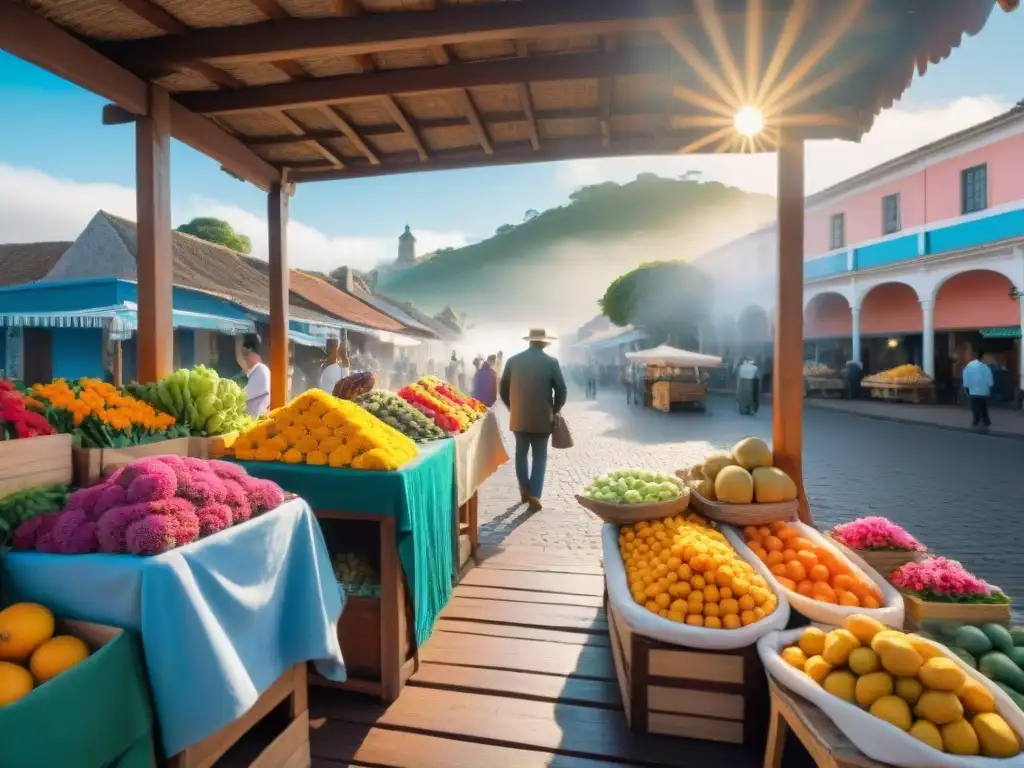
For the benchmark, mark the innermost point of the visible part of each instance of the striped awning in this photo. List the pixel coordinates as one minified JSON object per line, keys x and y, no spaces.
{"x":307,"y":339}
{"x":1001,"y":332}
{"x":122,"y":320}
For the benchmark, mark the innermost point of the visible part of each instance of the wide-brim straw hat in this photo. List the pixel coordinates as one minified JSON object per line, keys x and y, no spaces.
{"x":539,"y":334}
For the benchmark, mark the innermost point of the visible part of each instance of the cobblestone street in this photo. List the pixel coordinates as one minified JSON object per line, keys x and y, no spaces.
{"x":960,"y":493}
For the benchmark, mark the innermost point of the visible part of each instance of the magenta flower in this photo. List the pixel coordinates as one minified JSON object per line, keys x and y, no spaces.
{"x":237,"y":500}
{"x":937,"y":579}
{"x":74,"y":533}
{"x":152,"y":535}
{"x":152,"y":486}
{"x":875,"y":533}
{"x":172,"y":461}
{"x":184,"y":513}
{"x":111,"y":527}
{"x":27,"y":534}
{"x":214,"y":518}
{"x":196,"y":465}
{"x":84,"y":498}
{"x":203,"y":488}
{"x":111,"y":496}
{"x":226,"y":470}
{"x":263,"y":494}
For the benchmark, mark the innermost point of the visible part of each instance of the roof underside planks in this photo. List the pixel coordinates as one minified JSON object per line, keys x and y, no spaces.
{"x":309,"y":90}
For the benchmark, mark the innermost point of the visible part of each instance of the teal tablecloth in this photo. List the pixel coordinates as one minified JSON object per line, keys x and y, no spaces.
{"x":420,"y":497}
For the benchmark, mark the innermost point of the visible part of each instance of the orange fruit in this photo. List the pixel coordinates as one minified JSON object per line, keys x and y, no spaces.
{"x":695,"y":620}
{"x":764,"y":532}
{"x":788,"y":554}
{"x":729,"y":606}
{"x":818,"y":573}
{"x":711,"y":609}
{"x":759,"y":614}
{"x":784,"y":582}
{"x":869,"y":602}
{"x":847,"y":598}
{"x":747,"y":617}
{"x":843,"y":581}
{"x":799,"y":543}
{"x":775,"y":558}
{"x":750,"y":533}
{"x":731,"y":621}
{"x":785,"y":532}
{"x":779,"y":569}
{"x":823,"y":592}
{"x":749,"y":602}
{"x":795,"y":570}
{"x":778,"y":525}
{"x":805,"y":588}
{"x":773,"y":544}
{"x":724,"y":592}
{"x":740,"y":587}
{"x":808,"y":558}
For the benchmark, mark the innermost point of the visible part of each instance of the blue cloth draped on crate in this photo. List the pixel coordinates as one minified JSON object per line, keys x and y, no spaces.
{"x":420,"y":496}
{"x":221,"y":619}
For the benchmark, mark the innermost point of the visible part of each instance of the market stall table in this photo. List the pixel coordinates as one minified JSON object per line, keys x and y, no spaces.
{"x":414,"y":509}
{"x":674,"y":376}
{"x":224,"y":621}
{"x":479,"y":453}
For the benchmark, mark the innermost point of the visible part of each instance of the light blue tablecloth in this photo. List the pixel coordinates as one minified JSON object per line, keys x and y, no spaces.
{"x":220,"y":619}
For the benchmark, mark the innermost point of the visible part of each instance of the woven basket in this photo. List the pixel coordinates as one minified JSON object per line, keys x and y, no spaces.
{"x":742,"y":515}
{"x":627,"y":514}
{"x":883,"y":561}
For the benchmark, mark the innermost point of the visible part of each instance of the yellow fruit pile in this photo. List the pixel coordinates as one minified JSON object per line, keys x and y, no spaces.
{"x":29,"y":653}
{"x":907,"y":682}
{"x":684,"y":570}
{"x":316,"y":428}
{"x":901,"y":374}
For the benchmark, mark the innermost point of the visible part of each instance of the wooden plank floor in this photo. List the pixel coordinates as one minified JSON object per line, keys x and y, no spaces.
{"x":517,"y":674}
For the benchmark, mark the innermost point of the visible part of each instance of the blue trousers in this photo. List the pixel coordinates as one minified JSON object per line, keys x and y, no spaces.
{"x":527,"y":442}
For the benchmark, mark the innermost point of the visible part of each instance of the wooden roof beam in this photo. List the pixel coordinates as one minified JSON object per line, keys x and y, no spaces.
{"x":328,"y":90}
{"x":294,"y":37}
{"x":334,"y":158}
{"x":41,"y":42}
{"x":606,"y":92}
{"x":349,"y":132}
{"x":402,"y":121}
{"x":526,"y":98}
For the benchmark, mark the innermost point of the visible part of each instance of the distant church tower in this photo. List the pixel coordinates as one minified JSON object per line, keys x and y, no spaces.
{"x":406,"y":249}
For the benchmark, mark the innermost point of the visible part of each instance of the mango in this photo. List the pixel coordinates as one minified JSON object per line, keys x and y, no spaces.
{"x":939,"y":707}
{"x":925,"y":649}
{"x":812,"y":641}
{"x":942,"y":674}
{"x":995,"y":736}
{"x":871,"y":687}
{"x":899,"y":658}
{"x":863,"y":661}
{"x":839,"y":644}
{"x":794,"y":657}
{"x":864,"y":628}
{"x":772,"y":485}
{"x":976,"y":697}
{"x":909,"y":689}
{"x":817,"y":669}
{"x":893,"y":710}
{"x":928,"y":733}
{"x":734,"y":485}
{"x":715,"y":463}
{"x":752,"y":452}
{"x":959,"y":738}
{"x":885,"y":638}
{"x":842,"y":684}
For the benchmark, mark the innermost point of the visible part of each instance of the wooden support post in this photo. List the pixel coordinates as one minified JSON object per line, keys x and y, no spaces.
{"x":787,"y":371}
{"x":277,"y":226}
{"x":118,"y":365}
{"x":153,"y":254}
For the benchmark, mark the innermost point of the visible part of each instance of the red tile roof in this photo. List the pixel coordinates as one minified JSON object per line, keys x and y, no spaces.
{"x":27,"y":262}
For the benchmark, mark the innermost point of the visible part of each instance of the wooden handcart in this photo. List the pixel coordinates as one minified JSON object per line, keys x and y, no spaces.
{"x":665,"y":394}
{"x":902,"y":393}
{"x":823,"y":386}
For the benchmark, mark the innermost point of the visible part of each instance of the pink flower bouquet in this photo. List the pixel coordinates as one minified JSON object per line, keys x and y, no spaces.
{"x":938,"y":580}
{"x":875,"y":534}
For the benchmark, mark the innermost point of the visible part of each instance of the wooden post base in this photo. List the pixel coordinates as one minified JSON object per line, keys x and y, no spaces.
{"x":289,"y":749}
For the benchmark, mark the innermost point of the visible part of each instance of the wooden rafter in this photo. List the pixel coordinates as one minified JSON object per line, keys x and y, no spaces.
{"x":300,"y":132}
{"x":402,"y":121}
{"x":271,"y":9}
{"x":424,"y":79}
{"x":367,"y":33}
{"x":349,"y":132}
{"x":526,"y":98}
{"x":606,"y":93}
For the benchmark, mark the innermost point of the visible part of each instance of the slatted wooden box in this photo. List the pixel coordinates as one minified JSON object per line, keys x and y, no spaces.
{"x":93,"y":464}
{"x":695,"y":694}
{"x":34,"y":461}
{"x":216,"y":447}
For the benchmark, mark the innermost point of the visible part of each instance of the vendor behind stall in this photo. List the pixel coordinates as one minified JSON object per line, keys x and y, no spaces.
{"x":853,"y":374}
{"x":257,"y":388}
{"x":747,"y":387}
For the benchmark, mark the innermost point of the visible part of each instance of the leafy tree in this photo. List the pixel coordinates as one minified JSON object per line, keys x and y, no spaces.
{"x":666,"y":299}
{"x":504,"y":229}
{"x":217,"y":231}
{"x":530,"y":214}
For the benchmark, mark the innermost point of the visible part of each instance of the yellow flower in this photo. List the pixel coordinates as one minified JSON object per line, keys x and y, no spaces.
{"x":293,"y":434}
{"x":307,"y":443}
{"x":329,"y":444}
{"x":316,"y":458}
{"x":244,"y":454}
{"x":278,"y":443}
{"x":377,"y":459}
{"x":292,"y":457}
{"x":265,"y":453}
{"x":332,"y":420}
{"x":321,"y":433}
{"x":340,"y":457}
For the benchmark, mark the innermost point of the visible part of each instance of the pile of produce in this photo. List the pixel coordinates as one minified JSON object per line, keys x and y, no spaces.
{"x":901,"y":374}
{"x":199,"y":399}
{"x":100,"y":416}
{"x":356,"y":574}
{"x":907,"y":682}
{"x":449,"y":392}
{"x":444,"y":414}
{"x":397,"y":413}
{"x":938,"y":580}
{"x":16,"y":421}
{"x":21,"y":506}
{"x":684,"y":570}
{"x":742,"y":476}
{"x":634,"y":486}
{"x":992,"y":649}
{"x":354,"y":386}
{"x":316,"y":428}
{"x":150,"y":506}
{"x":30,"y":654}
{"x":809,"y":569}
{"x":819,"y":371}
{"x":875,"y":534}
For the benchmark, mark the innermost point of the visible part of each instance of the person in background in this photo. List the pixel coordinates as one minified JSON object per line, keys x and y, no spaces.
{"x":462,"y":375}
{"x":978,"y":382}
{"x":533,"y":389}
{"x":592,"y":373}
{"x":500,"y":366}
{"x":451,"y":371}
{"x":746,"y":386}
{"x":336,"y":367}
{"x":485,"y":382}
{"x":627,"y":381}
{"x":248,"y":350}
{"x":853,"y":374}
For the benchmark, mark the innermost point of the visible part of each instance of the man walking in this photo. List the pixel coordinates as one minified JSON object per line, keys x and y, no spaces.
{"x":978,"y":382}
{"x":257,"y":388}
{"x":533,"y":389}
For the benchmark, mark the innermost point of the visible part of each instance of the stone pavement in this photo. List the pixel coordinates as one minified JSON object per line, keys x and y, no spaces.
{"x":959,"y":492}
{"x":1005,"y":422}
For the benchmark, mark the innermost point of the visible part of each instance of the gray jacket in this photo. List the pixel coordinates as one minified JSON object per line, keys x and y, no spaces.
{"x":533,"y":389}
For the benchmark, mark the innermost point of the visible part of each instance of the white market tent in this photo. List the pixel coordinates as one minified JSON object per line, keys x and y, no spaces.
{"x":665,"y":355}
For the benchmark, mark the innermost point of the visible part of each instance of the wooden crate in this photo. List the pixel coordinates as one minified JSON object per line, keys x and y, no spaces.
{"x":288,"y":749}
{"x":379,"y":632}
{"x":917,"y":611}
{"x":883,"y":561}
{"x":675,"y":691}
{"x":93,"y":464}
{"x":35,"y":461}
{"x":468,"y":531}
{"x":216,"y":447}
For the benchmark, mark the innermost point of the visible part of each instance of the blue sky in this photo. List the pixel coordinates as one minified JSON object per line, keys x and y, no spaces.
{"x":52,"y":136}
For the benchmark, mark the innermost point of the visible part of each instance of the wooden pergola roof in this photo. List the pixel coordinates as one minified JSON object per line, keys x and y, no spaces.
{"x":308,"y":90}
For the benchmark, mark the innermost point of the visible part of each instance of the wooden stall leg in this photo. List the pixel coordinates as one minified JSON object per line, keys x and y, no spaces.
{"x":277,"y":226}
{"x":778,"y":729}
{"x":392,"y":614}
{"x":474,"y":526}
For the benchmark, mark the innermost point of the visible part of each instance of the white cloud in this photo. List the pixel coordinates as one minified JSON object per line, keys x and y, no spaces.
{"x":896,"y":131}
{"x":36,"y":207}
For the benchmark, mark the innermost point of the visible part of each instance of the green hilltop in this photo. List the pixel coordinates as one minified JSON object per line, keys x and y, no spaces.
{"x":558,"y":262}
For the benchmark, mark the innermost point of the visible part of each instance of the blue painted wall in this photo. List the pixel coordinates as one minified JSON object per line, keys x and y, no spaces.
{"x":186,"y":339}
{"x":886,"y":252}
{"x":77,"y":352}
{"x":825,"y":266}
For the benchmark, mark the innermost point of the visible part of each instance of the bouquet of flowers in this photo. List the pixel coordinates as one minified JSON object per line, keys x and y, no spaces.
{"x":938,"y":580}
{"x":16,"y":421}
{"x":100,"y":416}
{"x":875,"y":534}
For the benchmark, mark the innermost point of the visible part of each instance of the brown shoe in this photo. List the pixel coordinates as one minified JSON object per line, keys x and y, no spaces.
{"x":534,"y":504}
{"x":524,"y":494}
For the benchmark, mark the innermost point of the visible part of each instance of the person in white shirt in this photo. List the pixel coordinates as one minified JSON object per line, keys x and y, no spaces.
{"x":746,"y":387}
{"x":257,"y":389}
{"x":336,"y":368}
{"x":978,"y":381}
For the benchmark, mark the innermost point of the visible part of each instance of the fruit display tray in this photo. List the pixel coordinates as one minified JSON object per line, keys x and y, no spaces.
{"x":883,"y":561}
{"x":917,"y":611}
{"x":697,"y":694}
{"x":627,"y":514}
{"x":742,"y":515}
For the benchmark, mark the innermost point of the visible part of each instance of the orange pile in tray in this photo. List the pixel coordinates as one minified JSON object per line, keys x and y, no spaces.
{"x":809,"y":569}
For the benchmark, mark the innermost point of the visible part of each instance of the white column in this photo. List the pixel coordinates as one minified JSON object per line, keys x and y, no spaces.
{"x":928,"y":337}
{"x":1020,"y":346}
{"x":855,"y":340}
